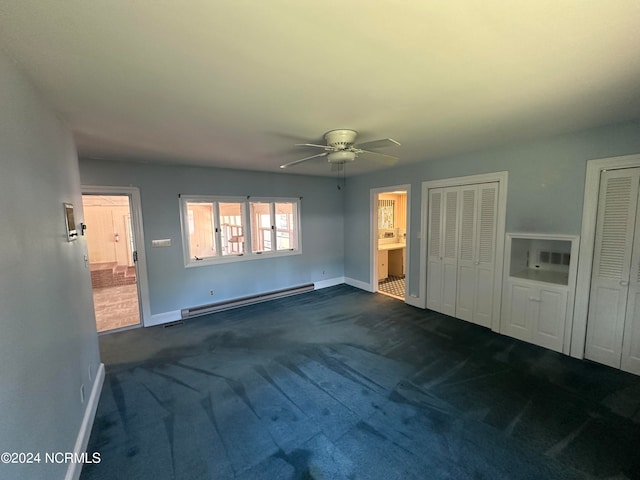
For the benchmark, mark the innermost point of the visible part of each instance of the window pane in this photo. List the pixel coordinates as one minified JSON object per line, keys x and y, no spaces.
{"x":286,"y":228}
{"x":231,"y":228}
{"x":202,"y":241}
{"x":260,"y":227}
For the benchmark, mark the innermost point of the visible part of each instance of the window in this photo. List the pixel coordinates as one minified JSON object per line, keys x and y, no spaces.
{"x":222,"y":229}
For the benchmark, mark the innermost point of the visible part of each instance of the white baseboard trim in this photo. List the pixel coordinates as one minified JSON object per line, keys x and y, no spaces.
{"x":358,"y":284}
{"x":165,"y":317}
{"x":331,"y":282}
{"x":74,"y":469}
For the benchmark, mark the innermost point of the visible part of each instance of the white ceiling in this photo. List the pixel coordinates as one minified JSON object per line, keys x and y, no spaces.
{"x":237,"y":83}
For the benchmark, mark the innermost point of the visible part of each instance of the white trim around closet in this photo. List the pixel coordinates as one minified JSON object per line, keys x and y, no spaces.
{"x":502,"y":179}
{"x":587,"y":243}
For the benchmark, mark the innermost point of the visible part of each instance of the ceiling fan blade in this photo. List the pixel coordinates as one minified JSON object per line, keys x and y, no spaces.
{"x":379,"y":157}
{"x":311,"y":145}
{"x":295,"y":162}
{"x":382,"y":143}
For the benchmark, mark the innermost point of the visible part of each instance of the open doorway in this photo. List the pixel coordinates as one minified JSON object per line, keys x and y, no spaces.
{"x":390,"y":233}
{"x":113,"y":259}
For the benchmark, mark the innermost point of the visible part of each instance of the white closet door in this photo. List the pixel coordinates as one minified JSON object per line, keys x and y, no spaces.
{"x":476,"y":259}
{"x":631,"y":338}
{"x":450,"y":251}
{"x":435,"y":249}
{"x":485,"y":254}
{"x":615,"y":227}
{"x":467,"y":253}
{"x":443,"y":245}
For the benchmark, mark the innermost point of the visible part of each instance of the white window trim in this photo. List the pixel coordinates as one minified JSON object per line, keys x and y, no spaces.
{"x":248,"y":253}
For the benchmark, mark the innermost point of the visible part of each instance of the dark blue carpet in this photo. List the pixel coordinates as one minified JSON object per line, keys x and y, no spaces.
{"x":344,"y":384}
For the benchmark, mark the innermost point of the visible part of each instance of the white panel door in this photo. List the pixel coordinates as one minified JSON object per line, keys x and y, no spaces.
{"x":615,"y":227}
{"x":435,"y":251}
{"x":465,"y":301}
{"x":517,"y":316}
{"x":548,"y":323}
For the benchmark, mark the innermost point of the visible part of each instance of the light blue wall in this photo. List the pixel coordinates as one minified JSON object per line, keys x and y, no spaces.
{"x":546,"y":187}
{"x":48,"y":336}
{"x":171,"y":285}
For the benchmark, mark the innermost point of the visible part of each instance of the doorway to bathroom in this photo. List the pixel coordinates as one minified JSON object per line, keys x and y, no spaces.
{"x":389,"y":259}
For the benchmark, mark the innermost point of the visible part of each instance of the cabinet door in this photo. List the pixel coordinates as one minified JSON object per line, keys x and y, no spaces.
{"x":383,"y":264}
{"x":517,"y":315}
{"x":615,"y":227}
{"x":549,"y":318}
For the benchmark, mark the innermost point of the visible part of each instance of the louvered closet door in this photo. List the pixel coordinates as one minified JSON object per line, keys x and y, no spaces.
{"x":615,"y":228}
{"x":485,"y":254}
{"x":450,"y":251}
{"x":467,"y":254}
{"x":476,"y":259}
{"x":435,"y":251}
{"x":443,"y":245}
{"x":630,"y":361}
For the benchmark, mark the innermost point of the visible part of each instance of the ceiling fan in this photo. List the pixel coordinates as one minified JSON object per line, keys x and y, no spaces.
{"x":341,"y":149}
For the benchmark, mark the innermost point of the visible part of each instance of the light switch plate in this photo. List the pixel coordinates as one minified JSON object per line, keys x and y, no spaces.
{"x":165,"y":242}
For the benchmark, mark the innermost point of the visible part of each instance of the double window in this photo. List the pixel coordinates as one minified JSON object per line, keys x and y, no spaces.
{"x":222,"y":229}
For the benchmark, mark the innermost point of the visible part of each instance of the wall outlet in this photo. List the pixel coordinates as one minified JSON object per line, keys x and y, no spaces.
{"x":82,"y":393}
{"x":211,"y":292}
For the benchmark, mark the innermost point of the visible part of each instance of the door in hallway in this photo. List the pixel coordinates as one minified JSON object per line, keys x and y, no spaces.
{"x":113,"y":261}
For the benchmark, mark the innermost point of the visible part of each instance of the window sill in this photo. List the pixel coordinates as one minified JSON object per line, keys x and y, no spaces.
{"x":240,"y":258}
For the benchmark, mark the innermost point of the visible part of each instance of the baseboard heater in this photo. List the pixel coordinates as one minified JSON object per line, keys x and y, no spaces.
{"x":244,"y":301}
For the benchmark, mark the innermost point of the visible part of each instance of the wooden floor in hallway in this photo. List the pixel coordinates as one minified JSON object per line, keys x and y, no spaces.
{"x":116,"y":307}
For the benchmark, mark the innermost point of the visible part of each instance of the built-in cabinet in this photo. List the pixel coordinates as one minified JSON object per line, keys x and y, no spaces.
{"x":383,"y":264}
{"x":539,"y":288}
{"x":397,"y":262}
{"x":391,"y":260}
{"x":613,"y":322}
{"x":462,"y":251}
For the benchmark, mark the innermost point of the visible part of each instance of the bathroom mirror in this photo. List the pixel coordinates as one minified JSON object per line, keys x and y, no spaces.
{"x":385,"y":213}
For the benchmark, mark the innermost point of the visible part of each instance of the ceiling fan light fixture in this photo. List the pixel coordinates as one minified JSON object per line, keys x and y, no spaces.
{"x":340,"y":138}
{"x":341,"y":156}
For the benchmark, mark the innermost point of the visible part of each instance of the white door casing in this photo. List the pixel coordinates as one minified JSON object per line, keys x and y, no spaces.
{"x":464,"y":219}
{"x":138,"y":233}
{"x":578,"y":327}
